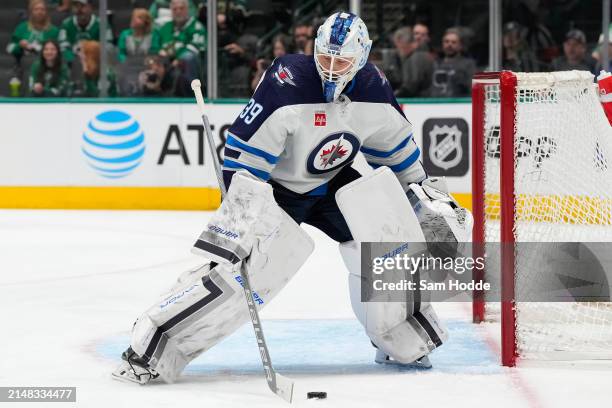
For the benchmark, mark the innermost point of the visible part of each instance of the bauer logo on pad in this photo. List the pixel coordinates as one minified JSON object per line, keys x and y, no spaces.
{"x":320,"y":119}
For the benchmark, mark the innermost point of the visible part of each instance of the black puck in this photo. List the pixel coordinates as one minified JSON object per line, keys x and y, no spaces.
{"x":316,"y":394}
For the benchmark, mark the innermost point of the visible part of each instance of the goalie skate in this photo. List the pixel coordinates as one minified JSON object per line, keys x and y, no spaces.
{"x":134,"y":369}
{"x":383,"y":358}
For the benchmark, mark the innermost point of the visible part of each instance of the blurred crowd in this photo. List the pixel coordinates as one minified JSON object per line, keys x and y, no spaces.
{"x":416,"y":69}
{"x":158,"y":54}
{"x":163,"y":48}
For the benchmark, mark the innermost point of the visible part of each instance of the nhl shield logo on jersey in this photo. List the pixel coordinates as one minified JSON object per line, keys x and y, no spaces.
{"x":333,"y":152}
{"x":284,"y":76}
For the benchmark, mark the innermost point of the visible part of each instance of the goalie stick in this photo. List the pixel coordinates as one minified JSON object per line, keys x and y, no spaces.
{"x":280,"y":385}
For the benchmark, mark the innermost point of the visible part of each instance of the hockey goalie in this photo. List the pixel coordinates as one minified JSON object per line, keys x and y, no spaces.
{"x":289,"y":160}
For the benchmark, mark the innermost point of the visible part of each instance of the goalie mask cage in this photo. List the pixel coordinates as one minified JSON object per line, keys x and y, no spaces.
{"x":542,"y":152}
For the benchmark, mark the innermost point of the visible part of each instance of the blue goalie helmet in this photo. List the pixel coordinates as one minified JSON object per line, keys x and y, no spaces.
{"x":341,"y":49}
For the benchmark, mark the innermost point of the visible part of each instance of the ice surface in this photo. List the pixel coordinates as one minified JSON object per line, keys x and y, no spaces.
{"x":72,"y":283}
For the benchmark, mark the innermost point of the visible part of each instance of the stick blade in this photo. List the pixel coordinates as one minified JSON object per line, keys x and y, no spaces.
{"x":284,"y":387}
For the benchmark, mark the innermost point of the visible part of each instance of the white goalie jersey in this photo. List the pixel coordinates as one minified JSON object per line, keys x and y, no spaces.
{"x":288,"y":133}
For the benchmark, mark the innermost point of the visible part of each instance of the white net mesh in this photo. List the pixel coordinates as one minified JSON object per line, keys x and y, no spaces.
{"x":563,"y":187}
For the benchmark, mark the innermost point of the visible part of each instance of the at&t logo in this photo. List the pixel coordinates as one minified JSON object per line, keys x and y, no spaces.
{"x":113,"y":144}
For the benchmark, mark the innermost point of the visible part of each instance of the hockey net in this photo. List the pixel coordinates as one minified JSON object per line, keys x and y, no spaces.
{"x":542,"y":158}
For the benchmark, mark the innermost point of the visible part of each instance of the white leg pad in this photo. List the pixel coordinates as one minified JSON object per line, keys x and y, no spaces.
{"x":376,"y":209}
{"x":206,"y":306}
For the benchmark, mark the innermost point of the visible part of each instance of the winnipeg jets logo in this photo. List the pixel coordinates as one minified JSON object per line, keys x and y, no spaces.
{"x":333,"y":152}
{"x":337,"y":151}
{"x":284,"y":76}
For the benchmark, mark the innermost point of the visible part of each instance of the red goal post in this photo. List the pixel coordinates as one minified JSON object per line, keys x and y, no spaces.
{"x":507,"y":88}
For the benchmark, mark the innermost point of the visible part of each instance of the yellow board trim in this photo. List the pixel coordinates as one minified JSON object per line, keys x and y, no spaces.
{"x":126,"y":198}
{"x":464,"y":199}
{"x":111,"y":198}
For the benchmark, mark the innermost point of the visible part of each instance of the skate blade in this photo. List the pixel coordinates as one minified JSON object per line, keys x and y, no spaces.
{"x":123,"y":373}
{"x":422,"y":364}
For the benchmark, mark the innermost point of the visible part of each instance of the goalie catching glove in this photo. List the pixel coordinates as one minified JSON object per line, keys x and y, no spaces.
{"x":443,"y":221}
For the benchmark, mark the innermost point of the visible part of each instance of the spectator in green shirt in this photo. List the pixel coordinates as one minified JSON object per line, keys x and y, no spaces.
{"x":89,"y":54}
{"x":183,"y":40}
{"x":30,"y":35}
{"x":49,"y":75}
{"x":160,"y":11}
{"x":140,"y":39}
{"x":82,"y":25}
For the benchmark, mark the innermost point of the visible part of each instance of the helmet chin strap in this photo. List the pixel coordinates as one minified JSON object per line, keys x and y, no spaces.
{"x":329,"y":89}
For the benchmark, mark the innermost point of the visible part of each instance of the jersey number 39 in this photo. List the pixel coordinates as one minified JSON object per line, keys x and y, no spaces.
{"x":250,"y":112}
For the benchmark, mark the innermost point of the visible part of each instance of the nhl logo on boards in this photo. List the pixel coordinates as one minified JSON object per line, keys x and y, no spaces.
{"x":445,"y":147}
{"x":284,"y":76}
{"x":333,"y":152}
{"x":320,"y":118}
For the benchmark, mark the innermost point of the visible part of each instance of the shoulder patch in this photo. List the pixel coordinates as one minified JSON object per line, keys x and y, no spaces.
{"x":283,"y":75}
{"x":381,"y":75}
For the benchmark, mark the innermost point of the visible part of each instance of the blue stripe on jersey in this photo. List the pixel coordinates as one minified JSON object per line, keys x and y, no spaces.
{"x":230,"y":164}
{"x":409,"y":161}
{"x":382,"y":153}
{"x":234,"y":142}
{"x":340,"y":28}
